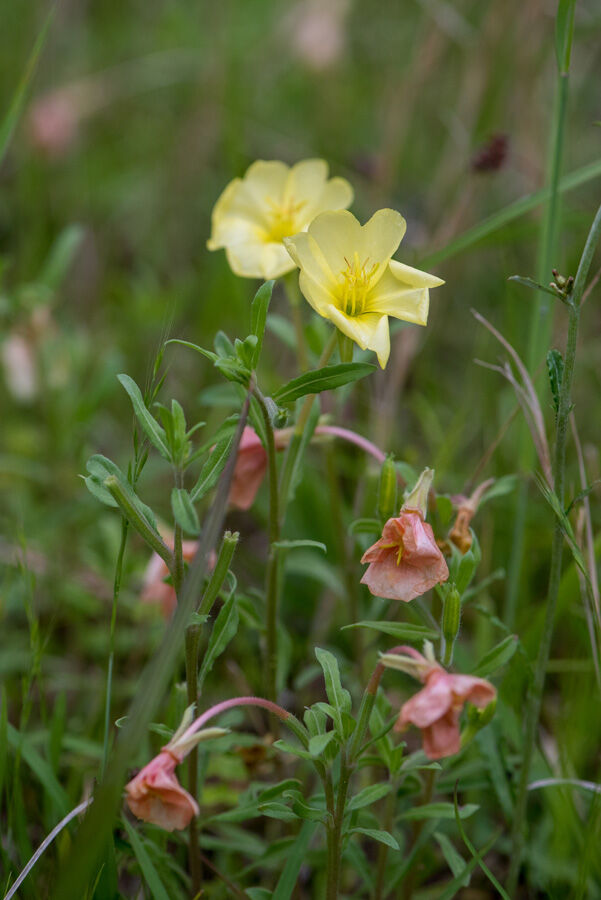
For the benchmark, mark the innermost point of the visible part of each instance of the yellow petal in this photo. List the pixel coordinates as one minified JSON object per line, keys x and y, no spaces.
{"x":369,"y":331}
{"x":306,"y":181}
{"x":338,"y":235}
{"x":403,"y":292}
{"x":275,"y":261}
{"x":317,"y":293}
{"x":266,"y":181}
{"x":380,"y":238}
{"x":337,"y":194}
{"x":234,"y":214}
{"x":308,"y":256}
{"x":414,"y":277}
{"x":256,"y":259}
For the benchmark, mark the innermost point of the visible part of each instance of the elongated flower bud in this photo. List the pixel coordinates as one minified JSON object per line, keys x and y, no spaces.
{"x":451,"y":619}
{"x":387,"y":491}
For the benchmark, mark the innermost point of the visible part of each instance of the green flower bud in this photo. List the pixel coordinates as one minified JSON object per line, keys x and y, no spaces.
{"x":418,"y":497}
{"x":451,"y":619}
{"x":478,"y":718}
{"x":387,"y":491}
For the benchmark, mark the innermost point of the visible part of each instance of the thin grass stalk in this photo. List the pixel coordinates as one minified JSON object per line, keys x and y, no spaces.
{"x":541,"y":322}
{"x":563,"y":415}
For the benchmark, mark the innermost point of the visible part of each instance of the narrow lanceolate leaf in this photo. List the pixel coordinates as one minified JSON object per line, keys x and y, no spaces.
{"x":296,"y":856}
{"x":368,"y":795}
{"x":301,"y":543}
{"x":224,"y":629}
{"x":534,"y":285}
{"x":319,"y":380}
{"x":555,"y":370}
{"x":564,"y":30}
{"x":39,"y":766}
{"x":212,"y":469}
{"x":376,"y":834}
{"x":440,"y":810}
{"x":339,"y":698}
{"x":497,"y":657}
{"x":184,"y":512}
{"x":319,"y":743}
{"x":151,"y":428}
{"x":151,"y":876}
{"x":398,"y":630}
{"x":258,"y":316}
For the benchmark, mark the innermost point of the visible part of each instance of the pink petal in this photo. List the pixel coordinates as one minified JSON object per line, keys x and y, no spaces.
{"x":429,"y":704}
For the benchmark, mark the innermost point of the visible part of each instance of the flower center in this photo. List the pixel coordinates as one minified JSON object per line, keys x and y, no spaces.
{"x":394,"y":546}
{"x":283,"y":220}
{"x":355,"y":285}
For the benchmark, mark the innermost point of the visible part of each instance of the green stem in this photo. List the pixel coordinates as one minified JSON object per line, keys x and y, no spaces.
{"x":272,"y":574}
{"x":294,"y":298}
{"x":343,"y":785}
{"x":541,"y":322}
{"x":536,"y":694}
{"x":297,"y":437}
{"x":109,"y":674}
{"x":178,"y":555}
{"x":194,"y":860}
{"x":226,"y":553}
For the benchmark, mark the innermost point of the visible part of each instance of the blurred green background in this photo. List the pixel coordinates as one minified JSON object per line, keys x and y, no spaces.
{"x":137,"y":117}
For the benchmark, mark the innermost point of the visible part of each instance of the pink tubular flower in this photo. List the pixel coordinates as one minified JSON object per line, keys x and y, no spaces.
{"x":155,"y":795}
{"x":406,"y":561}
{"x":435,"y":710}
{"x":251,"y":466}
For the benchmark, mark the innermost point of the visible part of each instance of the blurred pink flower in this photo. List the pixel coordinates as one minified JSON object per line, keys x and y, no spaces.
{"x":155,"y":795}
{"x":406,"y":561}
{"x":54,"y":123}
{"x":251,"y":466}
{"x":155,"y":589}
{"x":435,"y":710}
{"x":317,"y":32}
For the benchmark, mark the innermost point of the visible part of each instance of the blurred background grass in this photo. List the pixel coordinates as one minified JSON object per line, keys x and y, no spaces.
{"x":138,"y":116}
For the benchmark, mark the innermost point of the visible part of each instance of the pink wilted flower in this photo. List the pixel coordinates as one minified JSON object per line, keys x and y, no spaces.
{"x":406,"y":561}
{"x":155,"y":795}
{"x":251,"y":466}
{"x":155,"y":589}
{"x":435,"y":710}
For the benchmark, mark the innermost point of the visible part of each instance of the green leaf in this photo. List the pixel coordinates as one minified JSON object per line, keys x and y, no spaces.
{"x":212,"y":469}
{"x":184,"y":512}
{"x":8,"y":124}
{"x":497,"y":657}
{"x":293,"y":545}
{"x":466,"y":841}
{"x":151,"y":428}
{"x":286,"y":747}
{"x":224,"y":629}
{"x":319,"y":743}
{"x":439,"y":810}
{"x":319,"y":380}
{"x":365,"y":526}
{"x":455,"y":861}
{"x":555,"y":370}
{"x":151,"y":876}
{"x":376,"y":834}
{"x":368,"y":795}
{"x":304,"y":811}
{"x":258,"y":316}
{"x":39,"y":766}
{"x":398,"y":630}
{"x":296,"y":857}
{"x":458,"y":882}
{"x":100,"y":468}
{"x":61,"y":256}
{"x":564,"y":31}
{"x":339,"y":698}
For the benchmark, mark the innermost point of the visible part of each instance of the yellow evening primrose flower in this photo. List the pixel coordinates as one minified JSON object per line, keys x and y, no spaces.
{"x":273,"y":201}
{"x":348,"y":276}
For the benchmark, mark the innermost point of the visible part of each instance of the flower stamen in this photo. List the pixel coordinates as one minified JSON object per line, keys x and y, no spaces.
{"x":355,"y":285}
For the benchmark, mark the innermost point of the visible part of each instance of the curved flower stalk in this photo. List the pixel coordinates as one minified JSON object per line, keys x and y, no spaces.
{"x":348,"y":276}
{"x":406,"y":561}
{"x":273,"y":201}
{"x":435,"y":710}
{"x":156,"y":796}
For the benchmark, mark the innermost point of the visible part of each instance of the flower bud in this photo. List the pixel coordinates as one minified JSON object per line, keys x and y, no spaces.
{"x":451,"y":616}
{"x":387,"y":490}
{"x":478,"y":718}
{"x":418,"y":497}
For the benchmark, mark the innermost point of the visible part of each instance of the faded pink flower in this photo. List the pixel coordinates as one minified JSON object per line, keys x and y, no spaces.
{"x":251,"y":466}
{"x":435,"y":710}
{"x":155,"y":795}
{"x":54,"y":122}
{"x":155,"y":589}
{"x":406,"y":561}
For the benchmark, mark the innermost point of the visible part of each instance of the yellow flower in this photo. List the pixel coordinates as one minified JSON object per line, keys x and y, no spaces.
{"x":255,"y":213}
{"x":348,"y":276}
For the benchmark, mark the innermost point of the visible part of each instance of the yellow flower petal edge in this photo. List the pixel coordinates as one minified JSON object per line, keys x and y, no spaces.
{"x":254,"y":214}
{"x":348,"y":275}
